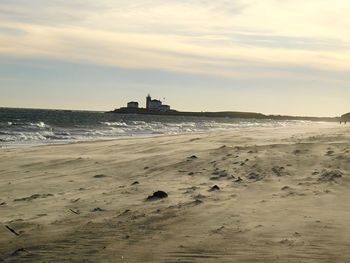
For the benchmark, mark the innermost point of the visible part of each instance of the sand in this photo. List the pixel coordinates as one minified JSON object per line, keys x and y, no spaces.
{"x":282,"y":195}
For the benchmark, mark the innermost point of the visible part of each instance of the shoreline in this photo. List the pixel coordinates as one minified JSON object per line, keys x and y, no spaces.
{"x":137,"y":136}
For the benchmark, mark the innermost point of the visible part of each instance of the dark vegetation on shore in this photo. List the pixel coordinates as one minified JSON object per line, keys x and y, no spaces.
{"x":227,"y":114}
{"x":345,"y":117}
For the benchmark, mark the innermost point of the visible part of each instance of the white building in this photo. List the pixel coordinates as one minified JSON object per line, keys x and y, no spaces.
{"x":156,"y":105}
{"x":133,"y":105}
{"x":164,"y":108}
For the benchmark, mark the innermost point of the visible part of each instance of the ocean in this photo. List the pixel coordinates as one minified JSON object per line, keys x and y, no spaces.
{"x":27,"y":127}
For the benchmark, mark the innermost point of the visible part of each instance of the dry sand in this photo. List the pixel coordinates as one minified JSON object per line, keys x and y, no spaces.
{"x":284,"y":197}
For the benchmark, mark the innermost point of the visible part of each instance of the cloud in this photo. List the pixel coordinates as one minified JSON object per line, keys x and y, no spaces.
{"x":238,"y":39}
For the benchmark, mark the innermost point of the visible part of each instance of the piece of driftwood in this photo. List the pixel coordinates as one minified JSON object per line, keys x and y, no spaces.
{"x":12,"y":230}
{"x":75,"y":212}
{"x":75,"y":200}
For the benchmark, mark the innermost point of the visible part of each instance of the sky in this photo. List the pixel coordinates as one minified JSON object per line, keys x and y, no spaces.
{"x":270,"y":56}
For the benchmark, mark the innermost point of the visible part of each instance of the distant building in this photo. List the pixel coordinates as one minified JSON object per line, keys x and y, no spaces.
{"x":151,"y":105}
{"x":133,"y":105}
{"x":164,"y":108}
{"x":156,"y":105}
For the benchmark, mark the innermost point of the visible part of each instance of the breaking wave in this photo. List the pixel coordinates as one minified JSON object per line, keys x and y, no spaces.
{"x":30,"y":127}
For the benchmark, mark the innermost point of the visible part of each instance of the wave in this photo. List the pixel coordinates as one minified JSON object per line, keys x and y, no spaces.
{"x":40,"y":124}
{"x":119,"y":124}
{"x":61,"y":127}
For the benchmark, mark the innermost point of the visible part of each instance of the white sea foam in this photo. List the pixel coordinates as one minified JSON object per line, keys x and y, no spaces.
{"x":121,"y":124}
{"x":40,"y":124}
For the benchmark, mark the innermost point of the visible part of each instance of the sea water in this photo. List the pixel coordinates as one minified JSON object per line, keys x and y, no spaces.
{"x":19,"y":127}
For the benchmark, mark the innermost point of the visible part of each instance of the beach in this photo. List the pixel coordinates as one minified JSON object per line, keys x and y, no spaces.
{"x":261,"y":194}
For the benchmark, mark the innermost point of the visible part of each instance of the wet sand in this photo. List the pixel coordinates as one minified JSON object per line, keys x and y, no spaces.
{"x":282,"y":195}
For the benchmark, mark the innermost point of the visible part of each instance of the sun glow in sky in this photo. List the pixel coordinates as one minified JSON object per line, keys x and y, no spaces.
{"x":269,"y":56}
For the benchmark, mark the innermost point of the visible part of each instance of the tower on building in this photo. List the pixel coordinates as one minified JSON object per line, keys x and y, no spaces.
{"x":148,"y":101}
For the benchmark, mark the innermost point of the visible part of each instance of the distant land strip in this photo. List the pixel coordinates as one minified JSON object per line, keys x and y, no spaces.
{"x":226,"y":114}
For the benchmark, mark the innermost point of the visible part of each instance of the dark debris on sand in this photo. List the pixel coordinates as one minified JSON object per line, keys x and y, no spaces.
{"x":126,"y":211}
{"x":330,"y":176}
{"x":279,"y":171}
{"x":192,"y":157}
{"x":20,"y":252}
{"x":238,"y":180}
{"x":100,"y":176}
{"x":200,"y":196}
{"x":329,"y":153}
{"x":220,"y":173}
{"x":32,"y":197}
{"x":157,"y":196}
{"x":97,"y":209}
{"x":12,"y":230}
{"x":254,"y":177}
{"x":285,"y":188}
{"x":197,"y":202}
{"x":214,"y":188}
{"x":297,"y":152}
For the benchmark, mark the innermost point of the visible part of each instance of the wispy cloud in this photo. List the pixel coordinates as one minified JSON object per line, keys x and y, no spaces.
{"x":226,"y":38}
